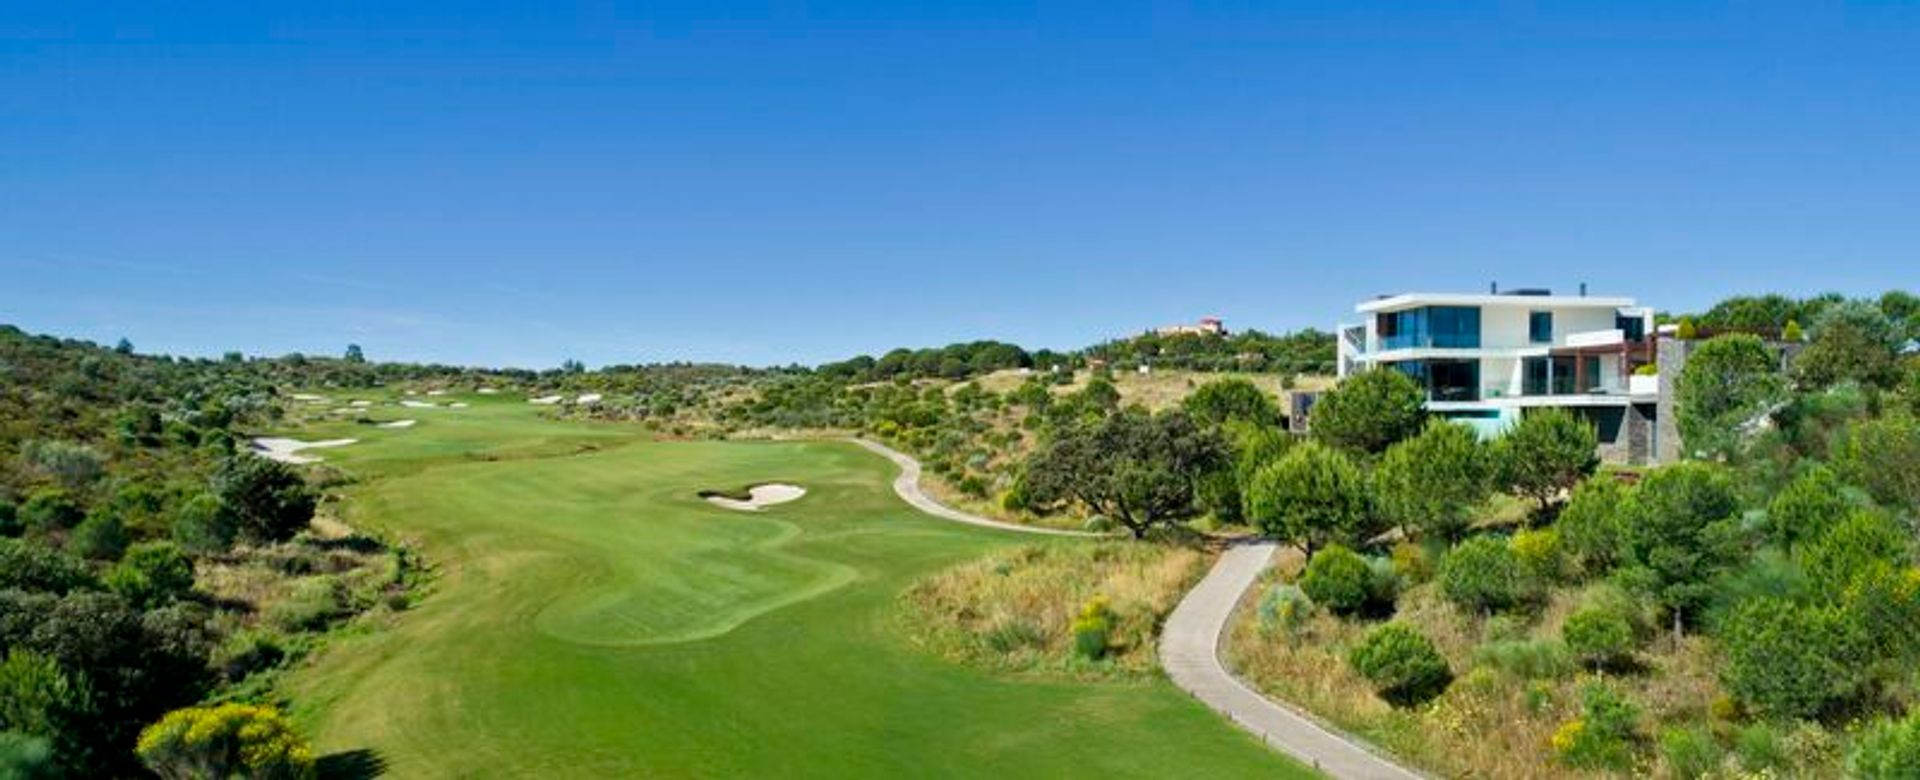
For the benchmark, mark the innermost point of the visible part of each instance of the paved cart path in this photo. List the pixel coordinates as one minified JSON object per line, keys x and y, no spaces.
{"x":1190,"y":652}
{"x":907,"y":485}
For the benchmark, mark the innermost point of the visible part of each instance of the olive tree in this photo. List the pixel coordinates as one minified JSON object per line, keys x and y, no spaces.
{"x":1137,"y":469}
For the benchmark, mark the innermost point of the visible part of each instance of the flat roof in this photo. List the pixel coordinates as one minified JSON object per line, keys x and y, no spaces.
{"x":1406,"y":300}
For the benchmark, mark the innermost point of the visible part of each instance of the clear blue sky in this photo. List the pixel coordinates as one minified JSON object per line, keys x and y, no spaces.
{"x":519,"y":183}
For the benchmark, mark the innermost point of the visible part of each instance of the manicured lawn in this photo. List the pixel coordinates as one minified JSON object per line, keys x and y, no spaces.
{"x":593,"y":617}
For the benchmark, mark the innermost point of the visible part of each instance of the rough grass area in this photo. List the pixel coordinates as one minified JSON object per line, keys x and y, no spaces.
{"x":1014,"y":609}
{"x":1513,"y":686}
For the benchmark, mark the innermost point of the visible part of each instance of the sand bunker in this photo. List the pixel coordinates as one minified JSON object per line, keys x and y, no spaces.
{"x":589,"y":398}
{"x":457,"y":405}
{"x":545,"y":400}
{"x":361,"y":404}
{"x":399,"y":424}
{"x":288,"y":450}
{"x":489,"y":390}
{"x":758,"y":496}
{"x":308,"y":397}
{"x":418,"y":405}
{"x":436,"y":392}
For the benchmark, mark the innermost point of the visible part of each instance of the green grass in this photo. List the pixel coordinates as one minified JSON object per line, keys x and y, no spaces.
{"x":594,"y":617}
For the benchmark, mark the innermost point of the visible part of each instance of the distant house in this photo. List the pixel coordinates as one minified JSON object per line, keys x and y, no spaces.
{"x":1207,"y":326}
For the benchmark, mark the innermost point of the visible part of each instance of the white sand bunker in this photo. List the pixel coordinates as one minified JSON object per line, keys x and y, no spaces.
{"x":457,"y":405}
{"x":589,"y":399}
{"x":418,"y":405}
{"x":758,"y":496}
{"x":308,"y":397}
{"x":489,"y":390}
{"x":361,"y":404}
{"x":545,"y":400}
{"x":399,"y":424}
{"x":288,"y":450}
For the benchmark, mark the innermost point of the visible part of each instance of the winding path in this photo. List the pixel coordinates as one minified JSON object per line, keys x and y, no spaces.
{"x":907,"y":485}
{"x":1190,"y":644}
{"x":1190,"y":652}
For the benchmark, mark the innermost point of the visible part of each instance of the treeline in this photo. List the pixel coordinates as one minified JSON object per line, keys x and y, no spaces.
{"x":1774,"y":315}
{"x":122,"y":478}
{"x":1306,"y":351}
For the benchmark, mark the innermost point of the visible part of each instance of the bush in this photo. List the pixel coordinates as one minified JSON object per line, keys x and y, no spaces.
{"x":51,"y":510}
{"x":1091,"y":629}
{"x":269,"y":499}
{"x":10,"y":519}
{"x":1804,"y":510}
{"x":151,"y":574}
{"x":1590,"y":525}
{"x":30,"y":566}
{"x":37,"y":697}
{"x":249,"y":652}
{"x":100,"y":537}
{"x":1790,"y":660}
{"x":1341,"y":580}
{"x":1411,"y":562}
{"x":26,"y":757}
{"x":1604,"y":735}
{"x":1539,"y":554}
{"x":1690,"y":752}
{"x":1887,"y":750}
{"x":1483,"y":574}
{"x":1285,"y":608}
{"x":205,"y":526}
{"x":73,"y":465}
{"x":1403,"y":665}
{"x":1600,"y":637}
{"x":225,"y":740}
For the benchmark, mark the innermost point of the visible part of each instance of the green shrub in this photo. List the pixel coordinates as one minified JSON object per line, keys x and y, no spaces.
{"x":1590,"y":525}
{"x":51,"y":510}
{"x":1339,"y":579}
{"x":1540,"y":554}
{"x":1605,"y":734}
{"x":100,"y":537}
{"x":10,"y":519}
{"x":205,"y":526}
{"x":1285,"y":608}
{"x":1092,"y":629}
{"x":1484,"y":574}
{"x":26,"y":757}
{"x":269,"y":499}
{"x":1411,"y":562}
{"x":1402,"y":664}
{"x":1760,"y":747}
{"x":1887,"y":750}
{"x":30,"y":566}
{"x":1790,"y":660}
{"x":151,"y":574}
{"x":1599,"y":637}
{"x":1690,"y":752}
{"x":248,"y":652}
{"x":1806,"y":508}
{"x":1525,"y":659}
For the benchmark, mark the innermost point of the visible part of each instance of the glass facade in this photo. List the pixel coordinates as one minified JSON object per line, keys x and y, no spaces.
{"x":1445,"y":380}
{"x":1552,"y":375}
{"x":1445,"y":327}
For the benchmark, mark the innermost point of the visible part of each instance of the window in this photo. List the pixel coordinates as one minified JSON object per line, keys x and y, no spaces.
{"x":1540,"y":327}
{"x":1633,"y":328}
{"x":1445,"y":327}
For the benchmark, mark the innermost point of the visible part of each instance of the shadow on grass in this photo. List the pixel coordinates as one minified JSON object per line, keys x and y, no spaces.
{"x":361,"y":764}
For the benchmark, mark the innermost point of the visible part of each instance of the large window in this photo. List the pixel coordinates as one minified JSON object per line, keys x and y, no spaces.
{"x":1633,"y":328}
{"x":1446,"y":327}
{"x":1540,"y":327}
{"x":1445,"y":380}
{"x":1548,"y":376}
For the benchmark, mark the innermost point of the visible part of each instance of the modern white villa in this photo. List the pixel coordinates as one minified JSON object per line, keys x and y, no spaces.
{"x":1487,"y":358}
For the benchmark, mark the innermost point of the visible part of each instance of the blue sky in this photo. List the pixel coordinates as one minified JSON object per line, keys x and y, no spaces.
{"x":520,"y":183}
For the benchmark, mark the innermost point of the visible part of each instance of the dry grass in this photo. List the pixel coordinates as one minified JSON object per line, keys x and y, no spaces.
{"x":1161,"y":389}
{"x":1492,"y":722}
{"x":1013,"y":611}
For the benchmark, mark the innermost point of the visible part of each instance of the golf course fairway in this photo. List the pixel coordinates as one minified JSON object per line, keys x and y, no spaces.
{"x":594,"y":617}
